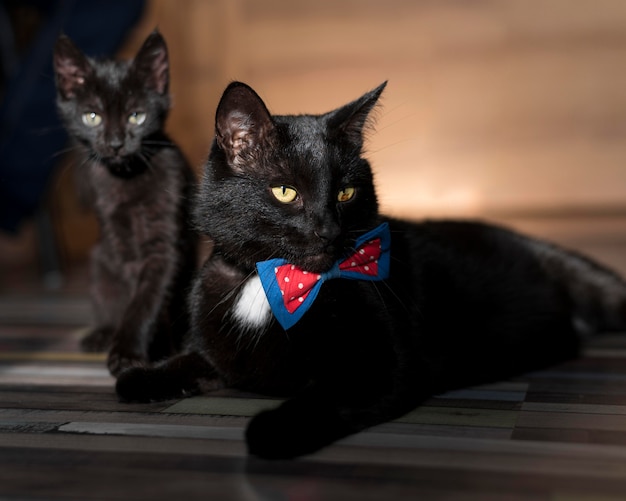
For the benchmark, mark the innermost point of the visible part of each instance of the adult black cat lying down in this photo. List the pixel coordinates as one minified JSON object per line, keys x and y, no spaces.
{"x":141,"y":188}
{"x":412,"y":310}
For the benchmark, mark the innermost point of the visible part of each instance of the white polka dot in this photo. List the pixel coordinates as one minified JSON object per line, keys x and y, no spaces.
{"x":286,"y":279}
{"x":300,"y":286}
{"x":319,"y":277}
{"x":305,"y":272}
{"x":275,"y":270}
{"x":293,"y":266}
{"x":362,"y":251}
{"x":353,"y":263}
{"x":300,"y":299}
{"x":367,"y":268}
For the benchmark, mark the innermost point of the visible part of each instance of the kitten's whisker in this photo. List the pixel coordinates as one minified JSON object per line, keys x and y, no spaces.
{"x":146,"y":161}
{"x":156,"y":142}
{"x":63,"y":151}
{"x":41,"y":131}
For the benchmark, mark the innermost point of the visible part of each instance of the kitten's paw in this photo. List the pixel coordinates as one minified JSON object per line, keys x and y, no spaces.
{"x":98,"y":339}
{"x":121,"y":360}
{"x":293,"y":430}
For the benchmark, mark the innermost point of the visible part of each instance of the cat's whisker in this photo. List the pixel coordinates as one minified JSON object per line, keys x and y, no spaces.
{"x":146,"y":161}
{"x":253,"y":333}
{"x":150,"y":142}
{"x":226,"y":297}
{"x":42,"y":131}
{"x":63,"y":171}
{"x":401,"y":302}
{"x":390,"y":145}
{"x":150,"y":150}
{"x":63,"y":151}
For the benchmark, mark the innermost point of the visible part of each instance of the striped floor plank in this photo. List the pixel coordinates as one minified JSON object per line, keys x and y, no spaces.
{"x":557,"y":434}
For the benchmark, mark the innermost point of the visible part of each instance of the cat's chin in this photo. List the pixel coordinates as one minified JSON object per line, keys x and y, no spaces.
{"x":317,"y":263}
{"x":124,"y":167}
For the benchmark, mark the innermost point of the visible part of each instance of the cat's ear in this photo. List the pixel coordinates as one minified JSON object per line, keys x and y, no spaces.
{"x":350,"y":120}
{"x":71,"y":67}
{"x":151,"y":63}
{"x":242,"y":124}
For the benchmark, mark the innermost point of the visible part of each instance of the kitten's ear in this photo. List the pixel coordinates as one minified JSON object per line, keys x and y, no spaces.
{"x":242,"y":124}
{"x":351,"y":119}
{"x":71,"y":67}
{"x":152,"y":63}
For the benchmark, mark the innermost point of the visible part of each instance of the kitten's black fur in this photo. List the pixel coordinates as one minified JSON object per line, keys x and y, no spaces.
{"x":465,"y":302}
{"x":141,"y":187}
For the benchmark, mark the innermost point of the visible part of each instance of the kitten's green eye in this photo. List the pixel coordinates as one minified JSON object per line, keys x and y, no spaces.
{"x":284,"y":194}
{"x":346,"y":193}
{"x":137,"y":118}
{"x":92,"y":119}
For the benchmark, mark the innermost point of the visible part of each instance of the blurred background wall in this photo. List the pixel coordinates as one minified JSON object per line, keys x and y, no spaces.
{"x":494,"y":108}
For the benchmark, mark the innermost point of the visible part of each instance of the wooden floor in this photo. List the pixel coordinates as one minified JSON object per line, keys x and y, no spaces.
{"x":558,"y":434}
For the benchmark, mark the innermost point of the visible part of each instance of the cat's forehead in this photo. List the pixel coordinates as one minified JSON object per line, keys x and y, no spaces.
{"x":306,"y":150}
{"x":300,"y":124}
{"x":305,"y":132}
{"x":111,"y":73}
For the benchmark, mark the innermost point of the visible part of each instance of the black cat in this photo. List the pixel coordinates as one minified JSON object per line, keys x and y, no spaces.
{"x":412,"y":310}
{"x":142,"y":188}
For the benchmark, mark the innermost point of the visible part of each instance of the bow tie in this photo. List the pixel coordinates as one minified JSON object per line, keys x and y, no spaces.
{"x":290,"y":290}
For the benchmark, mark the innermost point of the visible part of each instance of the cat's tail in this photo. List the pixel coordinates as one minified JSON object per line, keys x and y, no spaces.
{"x":598,"y":294}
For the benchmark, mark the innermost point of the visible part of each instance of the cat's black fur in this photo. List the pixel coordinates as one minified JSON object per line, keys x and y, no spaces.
{"x":142,"y":187}
{"x":465,"y":302}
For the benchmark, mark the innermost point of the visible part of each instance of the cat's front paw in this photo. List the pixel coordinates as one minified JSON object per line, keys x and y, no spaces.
{"x":98,"y":339}
{"x":293,"y":430}
{"x":136,"y":385}
{"x":267,"y":437}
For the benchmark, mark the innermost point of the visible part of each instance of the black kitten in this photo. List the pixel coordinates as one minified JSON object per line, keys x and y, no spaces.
{"x":141,"y":187}
{"x":463,"y":303}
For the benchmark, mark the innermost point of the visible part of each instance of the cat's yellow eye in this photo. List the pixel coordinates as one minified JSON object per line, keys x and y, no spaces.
{"x":284,"y":194}
{"x":91,"y":119}
{"x":346,"y":193}
{"x":137,"y":118}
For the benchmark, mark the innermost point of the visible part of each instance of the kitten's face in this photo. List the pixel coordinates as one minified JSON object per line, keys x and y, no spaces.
{"x":112,"y":107}
{"x":292,"y":187}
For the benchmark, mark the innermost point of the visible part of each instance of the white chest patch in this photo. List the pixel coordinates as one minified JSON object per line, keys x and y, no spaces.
{"x":251,"y":309}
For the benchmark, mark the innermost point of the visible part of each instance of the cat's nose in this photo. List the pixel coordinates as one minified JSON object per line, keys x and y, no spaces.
{"x":116,"y":145}
{"x":327,"y":232}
